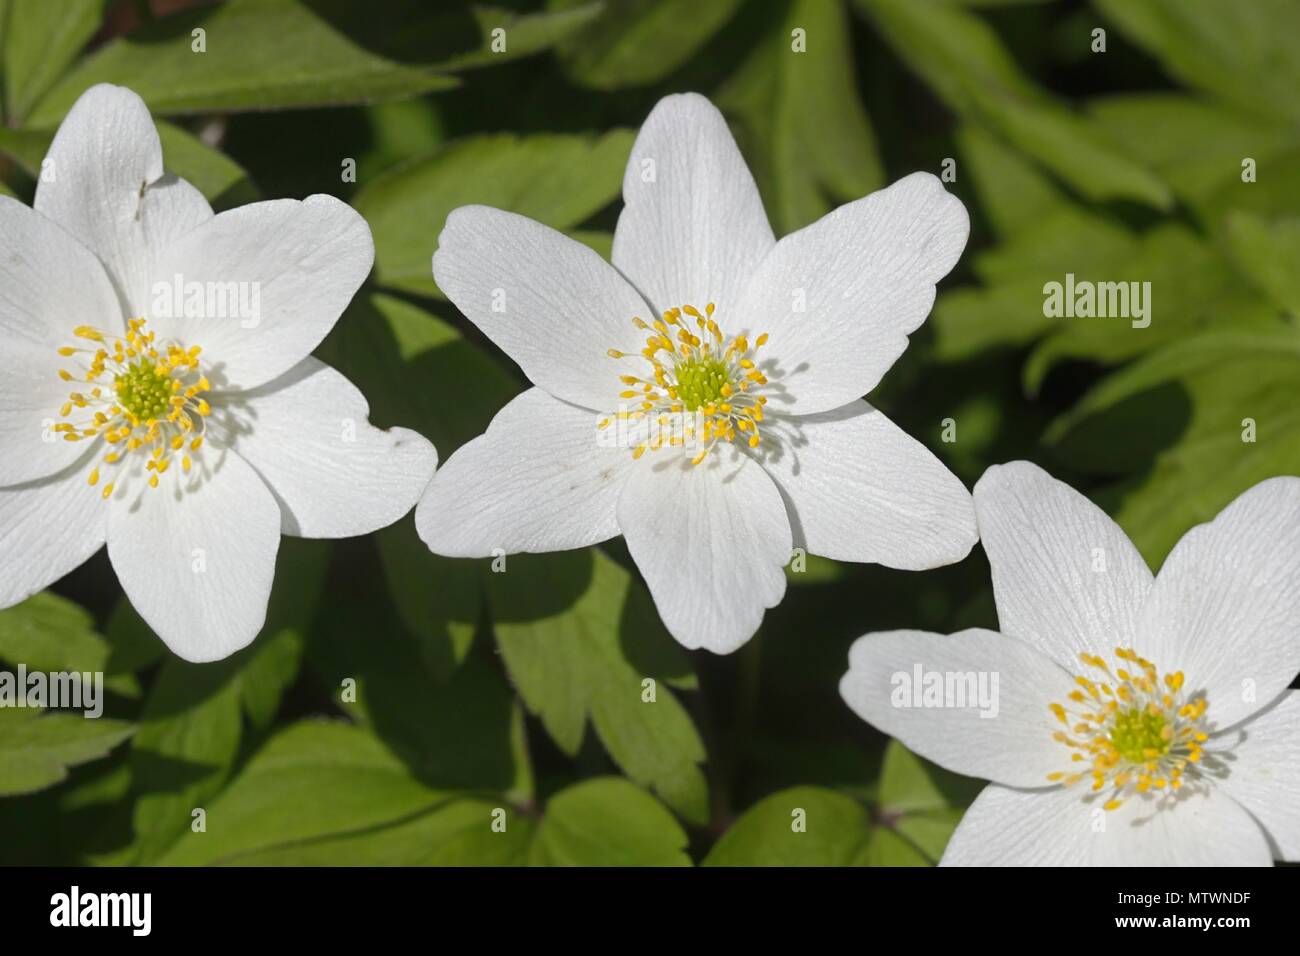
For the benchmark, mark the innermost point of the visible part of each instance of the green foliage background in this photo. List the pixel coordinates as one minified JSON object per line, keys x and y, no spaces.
{"x":522,"y":690}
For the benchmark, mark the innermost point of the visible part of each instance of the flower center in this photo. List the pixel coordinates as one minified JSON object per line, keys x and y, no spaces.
{"x":702,"y":387}
{"x":144,"y":398}
{"x":1141,"y":734}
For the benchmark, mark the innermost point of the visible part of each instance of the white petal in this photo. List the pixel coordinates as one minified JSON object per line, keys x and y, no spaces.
{"x":692,"y":229}
{"x":1226,"y":605}
{"x":1065,"y":577}
{"x":838,"y":298}
{"x":539,"y":479}
{"x":103,"y":181}
{"x":1264,"y":771}
{"x":986,"y":712}
{"x":711,"y":541}
{"x":1060,"y":827}
{"x":198,"y":566}
{"x":292,"y":266}
{"x":547,"y":301}
{"x":859,"y":488}
{"x":49,"y":285}
{"x":47,"y":528}
{"x":333,"y":473}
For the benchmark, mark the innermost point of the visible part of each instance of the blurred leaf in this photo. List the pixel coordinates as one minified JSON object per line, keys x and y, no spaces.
{"x":611,"y":51}
{"x":36,"y":750}
{"x":1268,"y":252}
{"x":40,"y":39}
{"x":579,"y":637}
{"x":1193,"y":288}
{"x":133,"y":646}
{"x":312,"y":779}
{"x":785,"y":100}
{"x":966,"y":64}
{"x":273,"y":54}
{"x":607,"y":821}
{"x":1008,"y":310}
{"x":398,"y":130}
{"x":50,"y":633}
{"x":559,"y":180}
{"x":1200,"y":148}
{"x":1014,"y":193}
{"x":525,"y":33}
{"x":1177,"y":419}
{"x":1243,"y":53}
{"x":836,"y":831}
{"x":817,"y":570}
{"x":26,"y":147}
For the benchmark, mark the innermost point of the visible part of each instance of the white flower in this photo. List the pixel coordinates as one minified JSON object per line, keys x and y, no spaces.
{"x":187,"y":439}
{"x":1138,"y":721}
{"x":735,"y":363}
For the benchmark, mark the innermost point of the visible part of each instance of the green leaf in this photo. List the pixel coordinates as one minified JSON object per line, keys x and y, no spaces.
{"x":189,"y":737}
{"x":784,"y":100}
{"x":1268,"y":252}
{"x":559,"y":180}
{"x":273,"y":54}
{"x":816,"y":570}
{"x":608,"y":821}
{"x":459,"y":732}
{"x":456,"y":833}
{"x":36,"y":750}
{"x":610,"y":52}
{"x":133,"y":646}
{"x":1200,"y":150}
{"x":1014,"y":193}
{"x":962,"y":59}
{"x":192,"y":725}
{"x":398,"y":130}
{"x":314,"y":778}
{"x":40,"y":39}
{"x":802,"y":826}
{"x":1180,"y":417}
{"x":1193,"y":288}
{"x":1008,"y":310}
{"x":600,"y":822}
{"x":50,"y":633}
{"x":916,"y":808}
{"x":579,"y":638}
{"x":1243,"y":53}
{"x":26,"y":147}
{"x":920,"y":802}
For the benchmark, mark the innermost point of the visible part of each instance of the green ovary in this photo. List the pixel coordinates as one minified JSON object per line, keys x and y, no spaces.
{"x":143,"y":392}
{"x":701,"y":383}
{"x":1136,"y":731}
